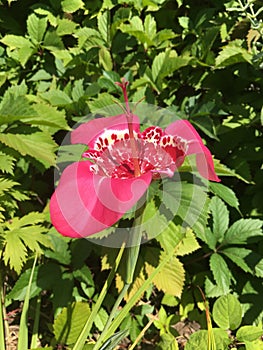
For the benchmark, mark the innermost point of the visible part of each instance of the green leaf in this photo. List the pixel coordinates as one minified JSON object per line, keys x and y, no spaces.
{"x":242,"y":230}
{"x":220,"y":272}
{"x":188,"y":244}
{"x":199,"y":340}
{"x":104,"y":25}
{"x":249,"y":333}
{"x":220,"y":218}
{"x":223,"y":170}
{"x":14,"y":257}
{"x":20,"y":288}
{"x":15,"y":41}
{"x":65,"y":27}
{"x":150,"y":26}
{"x":158,"y":63}
{"x":189,"y":202}
{"x":174,"y":62}
{"x":10,"y":111}
{"x":69,"y":323}
{"x":41,"y":74}
{"x":209,"y":238}
{"x":225,"y":193}
{"x":240,"y":256}
{"x":56,"y":97}
{"x":36,"y":27}
{"x":48,"y":117}
{"x":104,"y":104}
{"x":101,"y":319}
{"x":6,"y":163}
{"x":72,"y":5}
{"x":233,"y":53}
{"x":227,"y":312}
{"x":204,"y":122}
{"x":60,"y":251}
{"x":105,"y":58}
{"x":6,"y":184}
{"x":171,"y":279}
{"x":168,"y":342}
{"x":77,"y":90}
{"x":38,"y":145}
{"x":171,"y":236}
{"x":153,"y":223}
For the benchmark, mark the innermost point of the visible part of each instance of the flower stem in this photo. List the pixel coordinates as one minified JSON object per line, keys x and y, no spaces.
{"x":131,"y":257}
{"x":87,"y":327}
{"x":123,"y":85}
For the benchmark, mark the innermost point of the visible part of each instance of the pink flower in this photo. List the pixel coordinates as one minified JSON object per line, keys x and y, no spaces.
{"x":118,"y":167}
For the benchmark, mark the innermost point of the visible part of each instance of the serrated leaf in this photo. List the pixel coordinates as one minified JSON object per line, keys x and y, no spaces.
{"x":14,"y":257}
{"x":223,"y":170}
{"x":188,"y":243}
{"x":104,"y":25}
{"x":15,"y":41}
{"x":104,"y":105}
{"x":38,"y":145}
{"x":240,"y":256}
{"x":220,"y":218}
{"x":189,"y":202}
{"x":174,"y":62}
{"x":168,"y":342}
{"x":14,"y":108}
{"x":212,"y":290}
{"x":60,"y":251}
{"x":249,"y":333}
{"x":105,"y":58}
{"x":69,"y":323}
{"x":6,"y":163}
{"x":150,"y":26}
{"x":199,"y":340}
{"x":6,"y":184}
{"x":158,"y":63}
{"x":36,"y":27}
{"x":171,"y":236}
{"x":242,"y":230}
{"x":20,"y":288}
{"x":56,"y":97}
{"x":225,"y":193}
{"x":171,"y":279}
{"x":101,"y":319}
{"x":227,"y":312}
{"x":153,"y":223}
{"x":48,"y":116}
{"x":71,"y":6}
{"x":220,"y":272}
{"x":233,"y":53}
{"x":77,"y":90}
{"x":65,"y":27}
{"x":41,"y":74}
{"x":53,"y":42}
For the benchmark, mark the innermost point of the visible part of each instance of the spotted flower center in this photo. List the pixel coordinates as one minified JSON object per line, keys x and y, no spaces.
{"x":157,"y":152}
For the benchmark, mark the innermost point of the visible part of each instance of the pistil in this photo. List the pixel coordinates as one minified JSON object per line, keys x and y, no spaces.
{"x":123,"y":85}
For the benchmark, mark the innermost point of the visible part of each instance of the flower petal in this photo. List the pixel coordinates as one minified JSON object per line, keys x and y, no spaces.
{"x":85,"y":203}
{"x":204,"y":160}
{"x":87,"y":133}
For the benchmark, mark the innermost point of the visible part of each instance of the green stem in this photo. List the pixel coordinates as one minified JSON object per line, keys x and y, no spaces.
{"x":34,"y":339}
{"x":2,"y":330}
{"x":87,"y":327}
{"x":121,"y":316}
{"x":23,"y":328}
{"x":132,"y":253}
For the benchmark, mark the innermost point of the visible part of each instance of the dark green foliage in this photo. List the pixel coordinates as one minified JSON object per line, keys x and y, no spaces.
{"x":203,"y":61}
